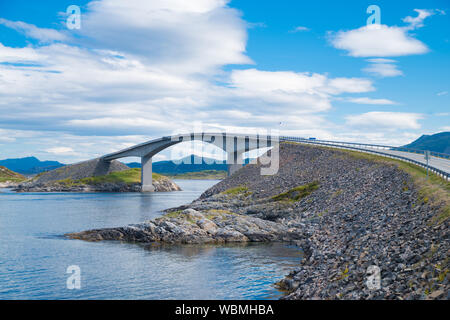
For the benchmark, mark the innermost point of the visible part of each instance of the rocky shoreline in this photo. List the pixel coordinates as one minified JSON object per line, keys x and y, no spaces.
{"x":346,"y":214}
{"x":162,"y":185}
{"x":9,"y":184}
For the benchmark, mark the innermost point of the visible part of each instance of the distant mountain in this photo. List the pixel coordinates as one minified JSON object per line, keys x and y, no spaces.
{"x":30,"y":165}
{"x":190,"y":163}
{"x":439,"y":142}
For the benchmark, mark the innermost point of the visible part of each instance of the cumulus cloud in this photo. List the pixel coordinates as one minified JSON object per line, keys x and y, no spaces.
{"x":297,"y":92}
{"x":388,"y":120}
{"x":422,"y":14}
{"x":18,"y":55}
{"x":139,"y":69}
{"x":378,"y":41}
{"x":175,"y":35}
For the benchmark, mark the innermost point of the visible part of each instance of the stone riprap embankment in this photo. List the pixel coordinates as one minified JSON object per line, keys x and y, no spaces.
{"x":347,"y":213}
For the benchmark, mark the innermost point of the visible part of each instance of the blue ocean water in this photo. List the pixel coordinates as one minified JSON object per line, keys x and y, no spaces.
{"x":34,"y":254}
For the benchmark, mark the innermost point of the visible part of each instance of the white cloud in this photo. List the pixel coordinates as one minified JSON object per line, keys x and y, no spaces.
{"x":383,"y":68}
{"x":378,"y":41}
{"x":42,"y":34}
{"x":176,"y":35}
{"x":107,"y":88}
{"x":60,"y":150}
{"x":353,"y":85}
{"x":443,"y":93}
{"x":390,"y":120}
{"x":381,"y":40}
{"x":446,"y":128}
{"x":292,"y":91}
{"x":366,"y":100}
{"x":110,"y":122}
{"x":417,"y":22}
{"x":18,"y":55}
{"x":300,"y":29}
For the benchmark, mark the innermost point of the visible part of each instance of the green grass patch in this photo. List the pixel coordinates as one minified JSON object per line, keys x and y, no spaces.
{"x":173,"y":214}
{"x":236,"y":191}
{"x":130,"y":176}
{"x":200,"y":175}
{"x":297,"y":193}
{"x":68,"y":182}
{"x":219,"y":213}
{"x":8,"y":175}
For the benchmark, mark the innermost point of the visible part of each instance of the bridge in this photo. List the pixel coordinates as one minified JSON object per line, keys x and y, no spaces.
{"x":235,"y":145}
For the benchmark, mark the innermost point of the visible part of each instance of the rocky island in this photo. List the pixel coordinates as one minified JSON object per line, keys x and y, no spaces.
{"x":94,"y":176}
{"x":345,"y":210}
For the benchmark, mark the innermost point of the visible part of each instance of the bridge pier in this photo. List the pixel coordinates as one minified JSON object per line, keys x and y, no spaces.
{"x":235,"y":161}
{"x":146,"y":174}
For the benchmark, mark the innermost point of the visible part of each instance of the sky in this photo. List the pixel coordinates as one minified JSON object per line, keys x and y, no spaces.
{"x":142,"y":69}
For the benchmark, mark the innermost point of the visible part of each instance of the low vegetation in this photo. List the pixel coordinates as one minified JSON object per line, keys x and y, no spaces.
{"x":11,"y":176}
{"x":297,"y":193}
{"x":240,"y":190}
{"x":200,"y":175}
{"x":130,"y":176}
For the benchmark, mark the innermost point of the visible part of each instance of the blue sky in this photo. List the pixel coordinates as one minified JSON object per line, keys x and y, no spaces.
{"x":141,"y":69}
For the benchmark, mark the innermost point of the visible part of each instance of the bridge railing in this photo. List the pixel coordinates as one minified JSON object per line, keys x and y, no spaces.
{"x":363,"y":147}
{"x":376,"y":146}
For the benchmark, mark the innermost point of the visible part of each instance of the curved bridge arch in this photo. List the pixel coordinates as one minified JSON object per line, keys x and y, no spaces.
{"x":235,"y":145}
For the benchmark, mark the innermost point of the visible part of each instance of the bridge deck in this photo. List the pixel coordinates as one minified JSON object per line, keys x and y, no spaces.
{"x":439,"y":165}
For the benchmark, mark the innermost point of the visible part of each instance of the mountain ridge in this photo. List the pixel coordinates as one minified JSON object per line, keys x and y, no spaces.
{"x":439,"y":142}
{"x":30,"y":165}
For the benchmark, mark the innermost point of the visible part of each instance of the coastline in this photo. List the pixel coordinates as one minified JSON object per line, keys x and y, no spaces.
{"x":346,"y":214}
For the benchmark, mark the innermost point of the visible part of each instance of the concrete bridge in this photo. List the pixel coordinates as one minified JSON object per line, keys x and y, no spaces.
{"x":235,"y":145}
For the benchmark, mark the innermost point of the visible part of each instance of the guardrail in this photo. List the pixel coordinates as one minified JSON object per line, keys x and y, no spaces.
{"x":378,"y":146}
{"x":354,"y":146}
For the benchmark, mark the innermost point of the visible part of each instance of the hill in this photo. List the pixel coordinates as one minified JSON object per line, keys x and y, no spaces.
{"x":30,"y":165}
{"x":86,"y":169}
{"x":439,"y":142}
{"x":93,"y":176}
{"x":7,"y":175}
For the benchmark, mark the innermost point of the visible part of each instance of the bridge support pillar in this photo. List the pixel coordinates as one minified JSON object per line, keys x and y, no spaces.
{"x":146,"y":174}
{"x":235,"y":162}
